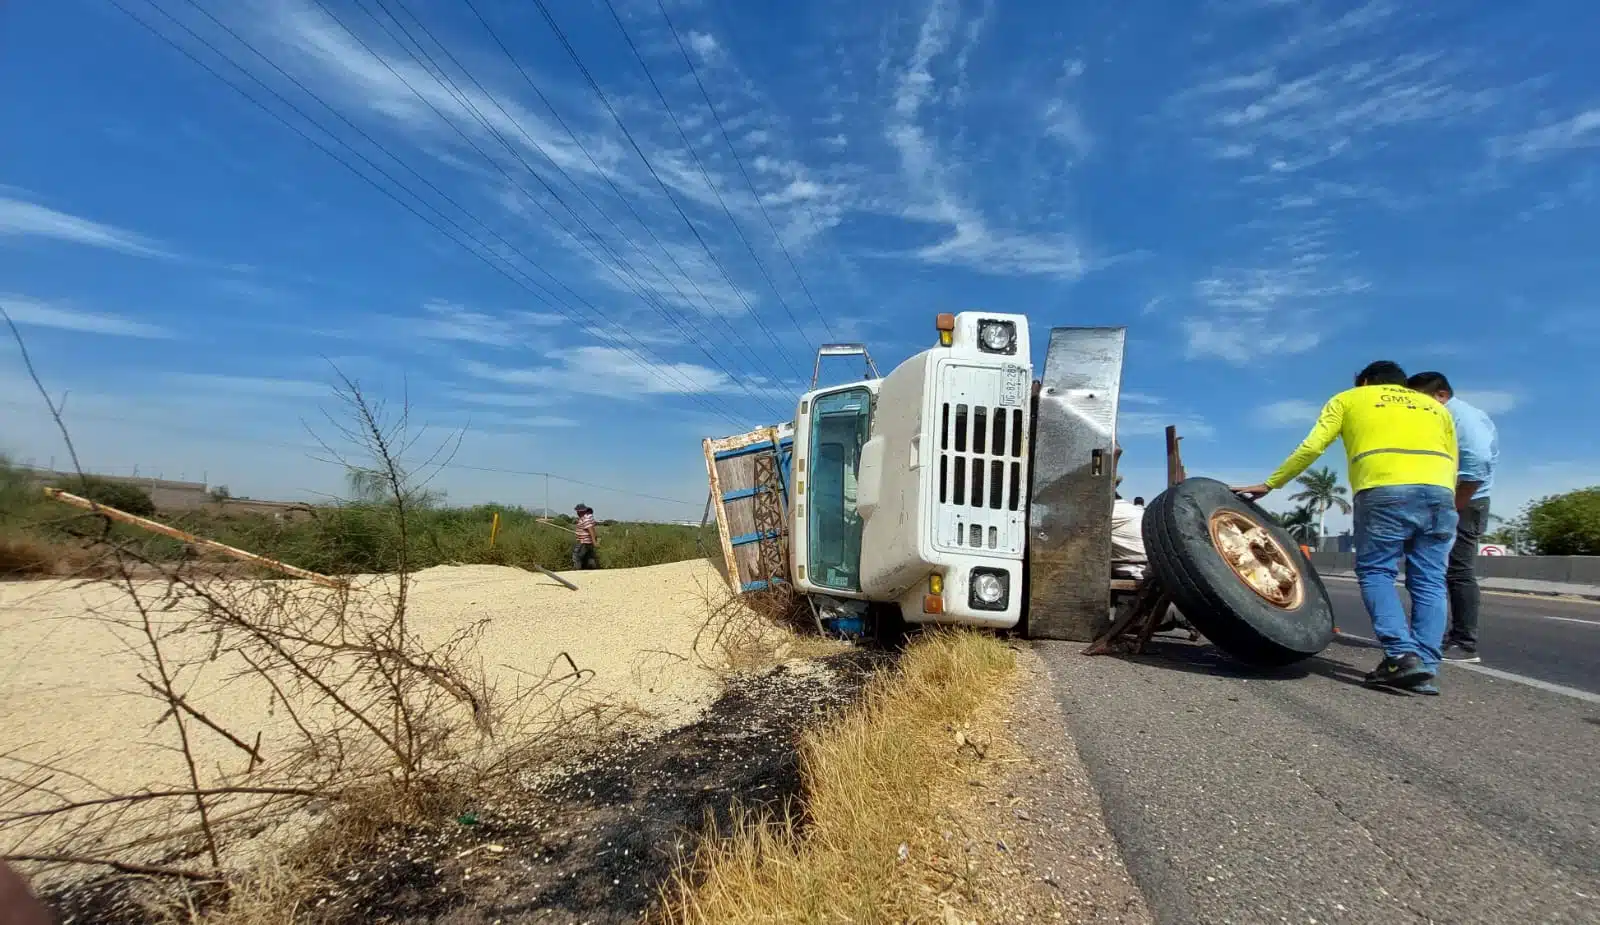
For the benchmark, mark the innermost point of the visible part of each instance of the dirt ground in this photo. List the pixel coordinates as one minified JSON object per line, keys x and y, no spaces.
{"x":70,"y":695}
{"x":591,"y":842}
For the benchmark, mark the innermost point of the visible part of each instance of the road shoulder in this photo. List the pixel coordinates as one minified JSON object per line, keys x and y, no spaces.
{"x":1047,"y":806}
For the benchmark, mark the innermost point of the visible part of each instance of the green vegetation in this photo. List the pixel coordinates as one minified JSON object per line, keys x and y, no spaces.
{"x":120,"y":495}
{"x":1301,"y":524}
{"x":1564,"y":525}
{"x":1320,"y":493}
{"x":362,"y":537}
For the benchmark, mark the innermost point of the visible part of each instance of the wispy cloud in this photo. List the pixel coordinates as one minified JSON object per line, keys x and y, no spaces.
{"x":29,"y":312}
{"x":448,"y":321}
{"x":1064,"y":123}
{"x":411,"y":98}
{"x":1265,"y":311}
{"x":1492,"y":401}
{"x":502,"y":399}
{"x":610,"y":372}
{"x":1241,"y":342}
{"x":19,"y":218}
{"x":1150,"y":423}
{"x":1574,"y":133}
{"x":259,"y":386}
{"x":705,"y":45}
{"x":513,"y":151}
{"x":1283,"y":414}
{"x":1335,"y":91}
{"x":971,"y":239}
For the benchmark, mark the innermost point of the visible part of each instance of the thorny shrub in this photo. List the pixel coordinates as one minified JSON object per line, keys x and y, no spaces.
{"x":367,"y":726}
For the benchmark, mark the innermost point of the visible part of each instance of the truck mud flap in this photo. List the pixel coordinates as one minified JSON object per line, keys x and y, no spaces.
{"x":749,"y":478}
{"x":1074,"y":483}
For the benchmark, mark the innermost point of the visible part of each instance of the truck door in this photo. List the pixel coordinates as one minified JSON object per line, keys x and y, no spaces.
{"x":840,"y":424}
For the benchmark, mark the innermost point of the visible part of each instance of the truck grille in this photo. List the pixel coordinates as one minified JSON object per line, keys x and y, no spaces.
{"x":980,"y":463}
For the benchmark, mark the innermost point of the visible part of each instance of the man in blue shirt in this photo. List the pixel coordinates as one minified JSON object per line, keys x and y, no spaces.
{"x":1480,"y":451}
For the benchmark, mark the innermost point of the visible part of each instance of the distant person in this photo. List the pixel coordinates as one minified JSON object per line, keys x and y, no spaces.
{"x":583,"y":554}
{"x":1401,"y":449}
{"x":1128,"y":558}
{"x":1138,"y":501}
{"x":18,"y":905}
{"x":1480,"y":452}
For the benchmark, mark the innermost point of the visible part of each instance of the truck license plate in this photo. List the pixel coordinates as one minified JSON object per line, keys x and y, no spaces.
{"x":1016,"y":382}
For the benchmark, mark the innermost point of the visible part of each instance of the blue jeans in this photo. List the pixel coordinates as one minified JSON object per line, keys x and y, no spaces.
{"x":1416,"y":524}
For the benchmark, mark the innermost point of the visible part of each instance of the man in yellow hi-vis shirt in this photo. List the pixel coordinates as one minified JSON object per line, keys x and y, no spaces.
{"x":1401,"y":447}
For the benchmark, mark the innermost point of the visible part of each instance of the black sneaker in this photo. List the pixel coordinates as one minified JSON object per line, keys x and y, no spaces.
{"x":1456,"y":652}
{"x":1405,"y":671}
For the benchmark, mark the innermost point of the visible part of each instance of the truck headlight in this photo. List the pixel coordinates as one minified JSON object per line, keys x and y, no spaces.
{"x":988,"y":589}
{"x":997,"y":336}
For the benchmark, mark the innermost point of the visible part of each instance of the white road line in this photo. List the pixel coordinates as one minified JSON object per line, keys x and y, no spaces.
{"x":1535,"y":683}
{"x":1525,"y":595}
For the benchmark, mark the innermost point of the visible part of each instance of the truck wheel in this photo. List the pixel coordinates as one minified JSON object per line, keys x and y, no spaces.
{"x":1238,"y":577}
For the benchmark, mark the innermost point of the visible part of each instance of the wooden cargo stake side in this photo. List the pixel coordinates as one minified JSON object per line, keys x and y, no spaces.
{"x":749,"y":497}
{"x":161,"y":528}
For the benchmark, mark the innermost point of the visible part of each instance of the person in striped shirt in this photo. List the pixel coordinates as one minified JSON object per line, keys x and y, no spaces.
{"x":583,"y":554}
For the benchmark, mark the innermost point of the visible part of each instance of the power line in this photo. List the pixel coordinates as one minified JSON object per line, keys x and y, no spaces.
{"x":728,"y":140}
{"x":594,"y":85}
{"x":605,"y":175}
{"x":449,"y":85}
{"x":679,"y":382}
{"x":525,"y":282}
{"x":743,"y":344}
{"x":562,"y":478}
{"x":706,"y":175}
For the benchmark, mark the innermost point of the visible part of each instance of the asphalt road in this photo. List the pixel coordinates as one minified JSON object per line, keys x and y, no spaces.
{"x":1306,"y":797}
{"x":1547,"y":638}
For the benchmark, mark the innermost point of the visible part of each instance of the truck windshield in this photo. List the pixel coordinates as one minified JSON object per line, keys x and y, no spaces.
{"x":840,"y":422}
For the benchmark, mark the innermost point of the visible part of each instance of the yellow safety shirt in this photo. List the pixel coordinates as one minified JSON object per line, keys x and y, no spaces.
{"x":1392,"y":436}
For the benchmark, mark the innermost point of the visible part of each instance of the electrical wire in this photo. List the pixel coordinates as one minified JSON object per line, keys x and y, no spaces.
{"x":728,"y":140}
{"x":694,"y":337}
{"x":525,"y":282}
{"x":677,"y":381}
{"x":738,"y":339}
{"x":605,"y":99}
{"x":706,"y":175}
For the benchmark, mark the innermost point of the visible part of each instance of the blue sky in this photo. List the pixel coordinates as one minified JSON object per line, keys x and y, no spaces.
{"x":1268,"y":193}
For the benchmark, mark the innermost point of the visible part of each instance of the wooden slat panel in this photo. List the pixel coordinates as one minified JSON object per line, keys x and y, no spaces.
{"x":739,"y":517}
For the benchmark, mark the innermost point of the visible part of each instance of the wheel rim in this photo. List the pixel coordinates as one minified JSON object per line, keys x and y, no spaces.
{"x":1258,"y":559}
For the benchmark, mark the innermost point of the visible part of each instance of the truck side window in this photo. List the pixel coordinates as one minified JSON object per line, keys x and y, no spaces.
{"x":840,"y":424}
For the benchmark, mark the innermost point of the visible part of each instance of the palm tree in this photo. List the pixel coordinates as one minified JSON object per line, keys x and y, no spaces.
{"x":1300,"y":523}
{"x":1321,"y":493}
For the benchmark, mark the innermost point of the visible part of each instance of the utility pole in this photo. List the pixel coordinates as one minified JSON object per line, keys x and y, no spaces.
{"x":547,"y":511}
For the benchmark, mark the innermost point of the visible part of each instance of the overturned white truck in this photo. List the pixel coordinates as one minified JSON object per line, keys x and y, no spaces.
{"x":956,"y":489}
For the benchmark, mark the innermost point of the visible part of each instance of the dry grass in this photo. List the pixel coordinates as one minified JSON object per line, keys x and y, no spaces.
{"x":870,"y":778}
{"x":754,"y":631}
{"x":25,"y":557}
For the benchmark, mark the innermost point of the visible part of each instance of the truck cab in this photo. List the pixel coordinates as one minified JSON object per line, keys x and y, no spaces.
{"x":912,"y":488}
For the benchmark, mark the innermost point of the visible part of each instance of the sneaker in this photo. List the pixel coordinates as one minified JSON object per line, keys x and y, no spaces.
{"x":1425,"y":687}
{"x":1456,"y":652}
{"x":1405,"y":671}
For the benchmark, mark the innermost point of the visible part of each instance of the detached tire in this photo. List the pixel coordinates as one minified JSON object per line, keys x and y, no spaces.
{"x":1269,"y":611}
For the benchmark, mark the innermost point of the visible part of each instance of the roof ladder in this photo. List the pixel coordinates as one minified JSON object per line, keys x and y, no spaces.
{"x":843,"y":350}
